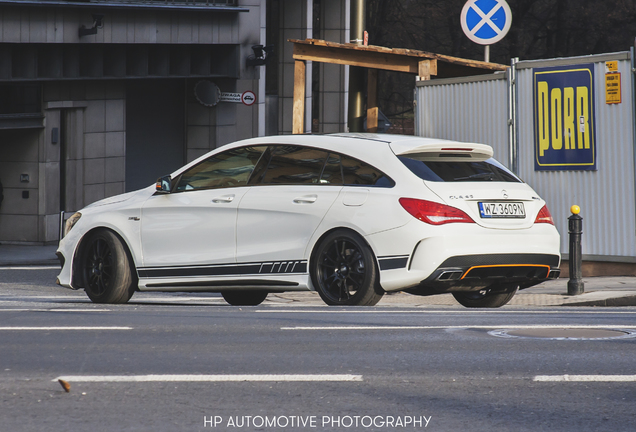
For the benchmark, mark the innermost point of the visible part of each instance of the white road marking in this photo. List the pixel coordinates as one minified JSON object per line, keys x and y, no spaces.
{"x":53,"y":310}
{"x":14,"y":298}
{"x":31,"y":268}
{"x":19,"y":310}
{"x":61,"y":328}
{"x":209,"y":378}
{"x":74,"y":310}
{"x":147,"y":299}
{"x":585,"y":378}
{"x":445,"y":312}
{"x":485,"y":327}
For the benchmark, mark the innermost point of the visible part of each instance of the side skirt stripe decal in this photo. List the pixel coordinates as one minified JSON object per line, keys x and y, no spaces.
{"x":284,"y":267}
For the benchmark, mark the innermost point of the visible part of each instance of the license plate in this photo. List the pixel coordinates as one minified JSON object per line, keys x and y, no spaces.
{"x":502,"y":210}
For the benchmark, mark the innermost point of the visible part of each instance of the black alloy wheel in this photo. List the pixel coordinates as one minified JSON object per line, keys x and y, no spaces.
{"x":107,"y":271}
{"x":344,"y":272}
{"x":99,"y":267}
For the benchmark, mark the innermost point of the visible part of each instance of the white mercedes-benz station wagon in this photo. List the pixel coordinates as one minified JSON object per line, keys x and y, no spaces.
{"x":351,"y":216}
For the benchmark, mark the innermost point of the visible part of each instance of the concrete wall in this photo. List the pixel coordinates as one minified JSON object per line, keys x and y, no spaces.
{"x":60,"y":25}
{"x":333,"y":79}
{"x":296,"y":23}
{"x":20,"y":154}
{"x":92,"y":113}
{"x":95,"y":126}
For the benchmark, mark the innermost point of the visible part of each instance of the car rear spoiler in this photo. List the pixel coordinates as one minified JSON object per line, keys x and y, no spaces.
{"x":444,"y":151}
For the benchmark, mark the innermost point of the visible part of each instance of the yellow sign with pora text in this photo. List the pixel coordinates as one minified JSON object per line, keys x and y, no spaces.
{"x":613,"y":88}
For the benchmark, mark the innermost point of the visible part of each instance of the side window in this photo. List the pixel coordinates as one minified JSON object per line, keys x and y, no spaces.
{"x":228,"y":169}
{"x":332,"y":172}
{"x":356,"y":172}
{"x":294,"y":165}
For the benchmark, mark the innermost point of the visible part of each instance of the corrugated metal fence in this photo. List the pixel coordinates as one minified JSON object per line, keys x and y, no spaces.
{"x":480,"y":109}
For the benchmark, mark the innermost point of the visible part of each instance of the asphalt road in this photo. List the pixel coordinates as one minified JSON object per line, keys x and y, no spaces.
{"x":189,"y":362}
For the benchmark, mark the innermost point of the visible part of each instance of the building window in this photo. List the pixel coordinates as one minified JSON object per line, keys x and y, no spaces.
{"x":20,"y":99}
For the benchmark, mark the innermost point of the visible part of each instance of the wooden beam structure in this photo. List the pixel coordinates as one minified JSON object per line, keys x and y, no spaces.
{"x":372,"y":101}
{"x":298,"y":111}
{"x":422,"y":64}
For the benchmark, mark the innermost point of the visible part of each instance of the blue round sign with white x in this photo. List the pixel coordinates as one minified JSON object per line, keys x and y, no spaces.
{"x":486,"y":21}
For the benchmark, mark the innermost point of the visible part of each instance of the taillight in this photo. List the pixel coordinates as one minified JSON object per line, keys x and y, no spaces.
{"x":544,"y":216}
{"x":434,"y":213}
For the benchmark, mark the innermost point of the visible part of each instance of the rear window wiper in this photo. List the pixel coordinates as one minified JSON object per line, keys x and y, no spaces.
{"x":480,"y":176}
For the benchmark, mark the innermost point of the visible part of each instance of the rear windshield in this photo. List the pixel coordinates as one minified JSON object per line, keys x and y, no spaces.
{"x":447,"y":171}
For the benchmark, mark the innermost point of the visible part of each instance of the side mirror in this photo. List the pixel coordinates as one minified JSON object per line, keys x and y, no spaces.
{"x":164,"y":184}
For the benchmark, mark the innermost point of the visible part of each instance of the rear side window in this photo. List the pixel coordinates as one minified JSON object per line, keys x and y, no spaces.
{"x":283,"y":164}
{"x":356,"y":172}
{"x":294,"y":165}
{"x":454,"y":171}
{"x":332,"y":172}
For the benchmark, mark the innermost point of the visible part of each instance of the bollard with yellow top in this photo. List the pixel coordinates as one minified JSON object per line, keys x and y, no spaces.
{"x":575,"y":228}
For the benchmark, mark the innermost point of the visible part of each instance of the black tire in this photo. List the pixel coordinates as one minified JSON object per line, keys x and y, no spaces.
{"x":486,"y":298}
{"x":245,"y":297}
{"x":108,"y":273}
{"x":344,"y":272}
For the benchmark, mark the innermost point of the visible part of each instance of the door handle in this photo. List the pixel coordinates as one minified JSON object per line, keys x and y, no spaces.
{"x":307,"y":199}
{"x":223,"y":199}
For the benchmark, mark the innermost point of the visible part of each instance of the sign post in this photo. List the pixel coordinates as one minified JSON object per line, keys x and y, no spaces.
{"x":486,"y":22}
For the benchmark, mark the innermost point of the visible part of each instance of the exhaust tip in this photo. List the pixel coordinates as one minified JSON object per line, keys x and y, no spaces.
{"x":450,"y":275}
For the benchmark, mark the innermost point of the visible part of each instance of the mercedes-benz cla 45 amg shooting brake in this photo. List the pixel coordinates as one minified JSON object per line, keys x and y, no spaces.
{"x":351,"y":216}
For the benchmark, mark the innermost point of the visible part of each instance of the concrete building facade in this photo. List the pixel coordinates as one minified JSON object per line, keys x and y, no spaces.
{"x":98,"y":97}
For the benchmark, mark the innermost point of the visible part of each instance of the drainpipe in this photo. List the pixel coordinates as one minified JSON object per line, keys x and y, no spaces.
{"x":356,"y":74}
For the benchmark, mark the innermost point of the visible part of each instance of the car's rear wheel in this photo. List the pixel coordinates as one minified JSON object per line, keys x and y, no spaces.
{"x":486,"y":298}
{"x":245,"y":297}
{"x":107,"y":270}
{"x":344,"y":272}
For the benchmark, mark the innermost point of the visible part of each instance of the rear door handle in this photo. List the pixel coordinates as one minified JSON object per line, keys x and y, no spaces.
{"x":307,"y":199}
{"x":224,"y":199}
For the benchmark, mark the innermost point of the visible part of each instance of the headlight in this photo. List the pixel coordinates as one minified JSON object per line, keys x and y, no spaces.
{"x":70,"y":222}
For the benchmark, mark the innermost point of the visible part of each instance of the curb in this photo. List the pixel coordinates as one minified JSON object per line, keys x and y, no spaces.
{"x":625,"y":300}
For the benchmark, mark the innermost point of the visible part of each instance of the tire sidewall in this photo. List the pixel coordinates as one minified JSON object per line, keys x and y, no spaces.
{"x":121,"y":282}
{"x":244,"y":297}
{"x":492,"y":299}
{"x":370,"y":293}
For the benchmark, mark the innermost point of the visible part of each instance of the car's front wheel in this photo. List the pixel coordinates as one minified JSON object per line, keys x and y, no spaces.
{"x":245,"y":297}
{"x":344,"y":272}
{"x":107,"y":270}
{"x":486,"y":298}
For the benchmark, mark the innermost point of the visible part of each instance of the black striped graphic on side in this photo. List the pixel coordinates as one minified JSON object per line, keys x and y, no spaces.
{"x":393,"y":262}
{"x":264,"y":268}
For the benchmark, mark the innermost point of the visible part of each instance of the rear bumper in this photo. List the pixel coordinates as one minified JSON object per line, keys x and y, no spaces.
{"x":465,"y":256}
{"x":470,"y":272}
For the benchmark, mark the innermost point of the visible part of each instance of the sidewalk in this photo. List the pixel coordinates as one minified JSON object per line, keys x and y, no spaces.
{"x":16,"y":255}
{"x":599,"y":291}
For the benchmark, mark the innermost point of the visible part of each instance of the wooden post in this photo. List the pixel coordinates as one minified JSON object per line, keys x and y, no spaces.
{"x":372,"y":101}
{"x":298,"y":116}
{"x":426,"y":68}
